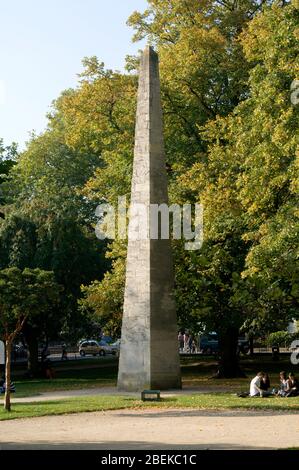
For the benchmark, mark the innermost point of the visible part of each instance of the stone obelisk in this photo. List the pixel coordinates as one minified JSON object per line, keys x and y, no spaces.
{"x":149,"y":357}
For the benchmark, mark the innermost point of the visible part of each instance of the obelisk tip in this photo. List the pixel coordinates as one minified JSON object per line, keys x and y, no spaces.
{"x":149,"y":50}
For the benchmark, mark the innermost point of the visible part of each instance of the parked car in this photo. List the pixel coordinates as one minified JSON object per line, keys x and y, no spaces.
{"x":43,"y":352}
{"x":19,"y":351}
{"x":243,"y":345}
{"x":94,"y":348}
{"x":209,"y":344}
{"x":107,"y":339}
{"x":115,"y":347}
{"x":106,"y":346}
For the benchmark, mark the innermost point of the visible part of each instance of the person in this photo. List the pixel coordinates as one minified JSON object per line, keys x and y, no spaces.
{"x":193,"y":347}
{"x":186,"y":342}
{"x":2,"y":386}
{"x":283,"y":384}
{"x":190,"y":343}
{"x":47,"y":369}
{"x":255,"y":385}
{"x":64,"y":353}
{"x":44,"y":353}
{"x":292,"y":386}
{"x":265,"y":383}
{"x":181,"y":341}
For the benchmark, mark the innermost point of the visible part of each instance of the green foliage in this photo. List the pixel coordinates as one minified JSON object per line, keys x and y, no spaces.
{"x":49,"y":222}
{"x":248,"y":186}
{"x":202,"y":65}
{"x":8,"y":153}
{"x":8,"y":157}
{"x":24,"y":294}
{"x":104,"y":300}
{"x":279,"y":338}
{"x":18,"y":240}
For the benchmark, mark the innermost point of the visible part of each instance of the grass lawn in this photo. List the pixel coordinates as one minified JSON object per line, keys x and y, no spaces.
{"x":102,"y":372}
{"x":73,"y":375}
{"x":216,"y":401}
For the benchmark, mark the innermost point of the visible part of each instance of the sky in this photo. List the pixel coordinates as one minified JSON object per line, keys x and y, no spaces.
{"x":42,"y":43}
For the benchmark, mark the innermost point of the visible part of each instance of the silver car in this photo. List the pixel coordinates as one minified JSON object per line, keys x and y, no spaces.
{"x":94,"y":348}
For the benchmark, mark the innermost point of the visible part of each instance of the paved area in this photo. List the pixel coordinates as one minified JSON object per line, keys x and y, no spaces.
{"x":154,"y":429}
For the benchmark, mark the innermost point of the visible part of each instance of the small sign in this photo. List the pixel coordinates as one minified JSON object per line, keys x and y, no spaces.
{"x":150,"y":395}
{"x":2,"y":353}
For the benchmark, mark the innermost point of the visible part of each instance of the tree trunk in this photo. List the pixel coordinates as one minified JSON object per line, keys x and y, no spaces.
{"x":228,"y":366}
{"x":32,"y":343}
{"x":7,"y":405}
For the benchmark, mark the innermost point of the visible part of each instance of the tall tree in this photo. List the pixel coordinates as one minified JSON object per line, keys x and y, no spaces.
{"x":249,"y":188}
{"x":8,"y":155}
{"x":50,"y":223}
{"x":23,"y":294}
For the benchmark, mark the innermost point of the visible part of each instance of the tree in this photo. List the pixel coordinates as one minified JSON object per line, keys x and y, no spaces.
{"x":8,"y":157}
{"x":23,"y":294}
{"x":50,"y":224}
{"x":104,"y":300}
{"x":64,"y":248}
{"x":269,"y":182}
{"x":204,"y":71}
{"x":99,"y":118}
{"x":249,"y":188}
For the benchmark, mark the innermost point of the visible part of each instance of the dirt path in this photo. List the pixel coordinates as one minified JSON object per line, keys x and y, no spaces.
{"x":154,"y":429}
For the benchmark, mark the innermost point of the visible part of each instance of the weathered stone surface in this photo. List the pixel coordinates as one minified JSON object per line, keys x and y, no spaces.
{"x":149,"y":351}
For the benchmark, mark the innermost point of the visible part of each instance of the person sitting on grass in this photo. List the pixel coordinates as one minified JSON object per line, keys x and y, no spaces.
{"x":259,"y":386}
{"x":265,"y":383}
{"x":292,"y":386}
{"x":283,"y":384}
{"x":255,"y":385}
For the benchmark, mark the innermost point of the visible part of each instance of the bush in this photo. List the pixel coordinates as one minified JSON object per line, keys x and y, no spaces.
{"x":280,"y":338}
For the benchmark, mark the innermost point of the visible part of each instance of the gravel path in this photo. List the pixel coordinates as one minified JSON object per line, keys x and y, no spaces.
{"x":154,"y":429}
